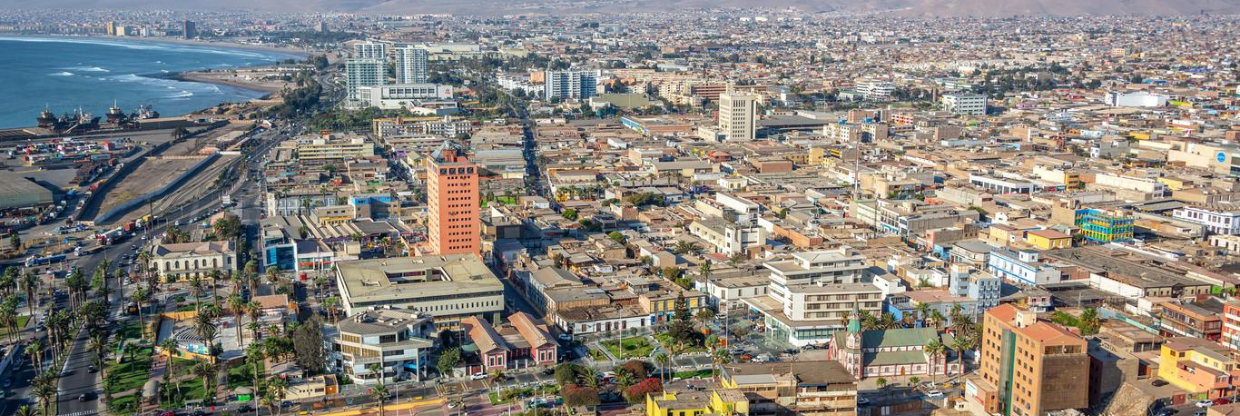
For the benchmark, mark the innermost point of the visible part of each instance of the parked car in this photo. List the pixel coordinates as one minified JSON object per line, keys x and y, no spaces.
{"x":934,"y":394}
{"x":479,"y":376}
{"x":1203,"y":403}
{"x":1160,"y":383}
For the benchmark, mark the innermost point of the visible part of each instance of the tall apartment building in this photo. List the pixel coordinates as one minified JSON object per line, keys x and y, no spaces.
{"x":571,"y":84}
{"x":1028,"y":367}
{"x":452,"y":198}
{"x":738,"y":115}
{"x":964,"y":103}
{"x":1105,"y":226}
{"x":363,"y":73}
{"x":370,"y":50}
{"x":411,"y":67}
{"x":189,"y":29}
{"x":876,"y":90}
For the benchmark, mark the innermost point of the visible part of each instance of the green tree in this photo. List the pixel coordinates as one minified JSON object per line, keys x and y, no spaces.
{"x":448,"y":360}
{"x":682,"y":326}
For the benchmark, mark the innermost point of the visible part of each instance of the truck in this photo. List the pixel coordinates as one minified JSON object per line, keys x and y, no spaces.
{"x":86,"y":251}
{"x":130,"y":226}
{"x":226,"y":201}
{"x":111,"y":237}
{"x":45,"y":260}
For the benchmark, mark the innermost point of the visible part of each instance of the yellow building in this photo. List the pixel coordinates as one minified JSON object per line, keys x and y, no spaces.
{"x":1204,"y":368}
{"x":816,"y":154}
{"x":1048,"y":239}
{"x":697,"y":403}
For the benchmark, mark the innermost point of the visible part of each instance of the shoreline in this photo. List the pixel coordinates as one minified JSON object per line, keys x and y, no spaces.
{"x":301,"y":53}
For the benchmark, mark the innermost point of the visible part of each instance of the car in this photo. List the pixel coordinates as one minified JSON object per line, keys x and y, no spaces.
{"x":862,"y":400}
{"x":452,"y":405}
{"x":82,"y":397}
{"x":565,"y":337}
{"x":479,"y":376}
{"x":1222,"y":400}
{"x":1160,"y":383}
{"x":168,"y":414}
{"x":1204,"y":403}
{"x":548,"y":371}
{"x":92,"y":368}
{"x":1200,"y":413}
{"x":245,"y":408}
{"x":286,"y":404}
{"x":1168,"y":412}
{"x":934,"y":394}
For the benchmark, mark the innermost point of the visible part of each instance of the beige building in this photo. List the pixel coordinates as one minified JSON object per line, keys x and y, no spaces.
{"x":737,"y":115}
{"x":447,"y":287}
{"x":173,"y":262}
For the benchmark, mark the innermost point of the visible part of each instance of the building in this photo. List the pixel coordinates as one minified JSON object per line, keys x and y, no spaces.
{"x":18,"y":192}
{"x":1204,"y":368}
{"x":1218,"y":219}
{"x":331,"y":146}
{"x":1136,"y":99}
{"x":965,"y":104}
{"x":1230,"y":336}
{"x":876,"y":90}
{"x":805,"y":314}
{"x":1048,"y":239}
{"x":738,"y":115}
{"x":522,"y":343}
{"x":453,"y":223}
{"x":1028,"y":367}
{"x":1195,"y":319}
{"x":363,"y":73}
{"x":407,"y":96}
{"x":398,"y":340}
{"x":685,"y":401}
{"x":411,"y":67}
{"x":726,"y":237}
{"x":189,"y":30}
{"x":449,"y":287}
{"x":802,"y":387}
{"x":813,"y":267}
{"x":570,"y":84}
{"x":889,"y":353}
{"x":1105,"y":226}
{"x":1023,"y":267}
{"x":370,"y":50}
{"x":174,"y":262}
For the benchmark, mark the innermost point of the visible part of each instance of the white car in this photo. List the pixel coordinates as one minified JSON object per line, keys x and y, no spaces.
{"x":1203,"y":403}
{"x":934,"y":394}
{"x":478,"y":376}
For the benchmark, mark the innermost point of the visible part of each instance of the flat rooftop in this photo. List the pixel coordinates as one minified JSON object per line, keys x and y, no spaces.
{"x":407,"y":278}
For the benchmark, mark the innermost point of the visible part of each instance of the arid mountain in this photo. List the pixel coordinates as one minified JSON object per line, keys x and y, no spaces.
{"x":981,"y":8}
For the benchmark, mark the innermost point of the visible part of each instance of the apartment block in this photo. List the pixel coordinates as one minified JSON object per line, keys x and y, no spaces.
{"x":1028,"y":367}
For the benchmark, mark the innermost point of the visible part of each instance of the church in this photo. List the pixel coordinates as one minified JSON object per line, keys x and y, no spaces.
{"x":890,"y":353}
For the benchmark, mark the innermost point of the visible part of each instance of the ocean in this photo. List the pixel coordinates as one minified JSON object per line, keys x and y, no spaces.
{"x":70,"y":73}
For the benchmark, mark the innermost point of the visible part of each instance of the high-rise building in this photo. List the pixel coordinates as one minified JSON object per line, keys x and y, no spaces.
{"x":411,"y":65}
{"x":571,"y":84}
{"x":110,"y":28}
{"x":965,"y":103}
{"x":370,"y":50}
{"x":452,"y":201}
{"x":322,"y":27}
{"x":737,"y":112}
{"x":1028,"y":367}
{"x":189,"y":29}
{"x":363,"y":73}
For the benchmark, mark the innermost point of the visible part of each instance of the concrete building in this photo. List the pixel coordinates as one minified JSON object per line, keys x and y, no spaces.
{"x":453,"y":224}
{"x":18,"y":192}
{"x":408,"y":96}
{"x":1136,"y":99}
{"x":876,"y":90}
{"x":398,"y":340}
{"x":411,"y":67}
{"x":807,"y":314}
{"x":893,"y":352}
{"x":1028,"y":367}
{"x":449,"y":287}
{"x":189,"y":30}
{"x":1223,"y":218}
{"x":331,"y":146}
{"x":363,"y":73}
{"x":738,"y":115}
{"x":965,"y":104}
{"x":802,"y":387}
{"x":175,"y":262}
{"x":727,"y":237}
{"x":1203,"y":368}
{"x":570,"y":84}
{"x":833,"y":266}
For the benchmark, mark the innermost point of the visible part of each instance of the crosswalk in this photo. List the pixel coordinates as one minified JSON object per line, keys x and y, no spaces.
{"x":81,"y":413}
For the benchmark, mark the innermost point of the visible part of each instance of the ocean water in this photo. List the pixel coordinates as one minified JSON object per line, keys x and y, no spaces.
{"x":66,"y":74}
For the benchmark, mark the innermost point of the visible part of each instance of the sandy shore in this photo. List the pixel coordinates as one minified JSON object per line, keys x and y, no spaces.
{"x":228,"y":78}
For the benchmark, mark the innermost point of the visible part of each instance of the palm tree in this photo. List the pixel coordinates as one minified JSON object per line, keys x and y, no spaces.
{"x":937,"y":318}
{"x":98,"y":343}
{"x":204,"y":326}
{"x":380,"y":393}
{"x":237,"y":306}
{"x":662,"y":360}
{"x":30,"y":283}
{"x":195,"y":282}
{"x":140,"y":296}
{"x":35,"y":351}
{"x":923,"y":312}
{"x":960,"y":344}
{"x":254,"y":309}
{"x":277,"y":386}
{"x":330,"y":305}
{"x":206,"y":370}
{"x":686,"y":247}
{"x":589,"y":377}
{"x":934,"y":349}
{"x":25,"y":410}
{"x":255,"y":355}
{"x":46,"y":392}
{"x":170,"y":347}
{"x":720,"y":358}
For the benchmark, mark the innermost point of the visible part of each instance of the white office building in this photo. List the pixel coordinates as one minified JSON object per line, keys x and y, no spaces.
{"x":1136,"y":99}
{"x":363,"y":73}
{"x":370,"y":50}
{"x":401,"y":95}
{"x":1218,"y":219}
{"x":411,"y":67}
{"x":876,"y":90}
{"x":737,"y":114}
{"x":571,"y":84}
{"x":965,"y":104}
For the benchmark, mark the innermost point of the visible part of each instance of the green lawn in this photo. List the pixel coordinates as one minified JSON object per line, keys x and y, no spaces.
{"x":685,"y":375}
{"x":130,"y":374}
{"x":503,"y":200}
{"x":191,"y":389}
{"x":636,"y":347}
{"x":242,"y":376}
{"x":21,"y":323}
{"x":598,"y":355}
{"x":129,"y":331}
{"x":666,"y":341}
{"x":124,"y":405}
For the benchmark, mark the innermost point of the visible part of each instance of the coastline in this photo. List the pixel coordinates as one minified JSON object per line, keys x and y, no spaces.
{"x":301,"y":53}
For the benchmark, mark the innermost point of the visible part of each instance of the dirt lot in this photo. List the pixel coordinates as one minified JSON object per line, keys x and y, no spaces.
{"x":151,"y":175}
